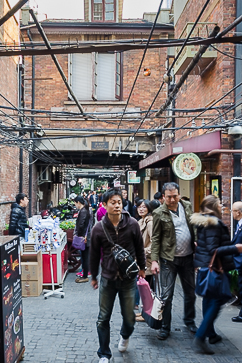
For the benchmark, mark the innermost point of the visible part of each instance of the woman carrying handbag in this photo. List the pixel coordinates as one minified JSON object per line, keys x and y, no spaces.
{"x":212,"y":235}
{"x":83,"y":229}
{"x":145,"y":223}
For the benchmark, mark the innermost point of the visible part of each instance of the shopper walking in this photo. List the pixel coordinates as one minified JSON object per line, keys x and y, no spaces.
{"x":237,"y":215}
{"x":124,"y":231}
{"x":83,"y":227}
{"x":173,"y":246}
{"x":212,"y":235}
{"x":145,"y":223}
{"x":18,"y":219}
{"x":127,"y":205}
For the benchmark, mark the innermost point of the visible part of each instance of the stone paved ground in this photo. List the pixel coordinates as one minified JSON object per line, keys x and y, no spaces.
{"x":64,"y":331}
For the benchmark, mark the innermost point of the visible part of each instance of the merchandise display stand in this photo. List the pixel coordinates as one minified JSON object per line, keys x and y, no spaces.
{"x":59,"y":291}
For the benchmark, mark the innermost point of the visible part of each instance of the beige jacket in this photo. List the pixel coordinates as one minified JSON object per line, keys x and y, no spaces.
{"x":146,"y":225}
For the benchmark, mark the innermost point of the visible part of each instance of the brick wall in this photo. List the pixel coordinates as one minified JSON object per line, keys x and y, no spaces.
{"x":9,"y":156}
{"x":201,"y":91}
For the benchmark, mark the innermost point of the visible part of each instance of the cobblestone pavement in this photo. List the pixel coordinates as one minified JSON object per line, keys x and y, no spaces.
{"x":64,"y":331}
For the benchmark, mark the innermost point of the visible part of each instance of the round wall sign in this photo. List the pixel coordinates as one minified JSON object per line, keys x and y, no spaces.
{"x":187,"y":166}
{"x":72,"y":183}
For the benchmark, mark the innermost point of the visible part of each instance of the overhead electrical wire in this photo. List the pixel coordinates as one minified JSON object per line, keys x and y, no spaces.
{"x":224,"y":53}
{"x":169,"y":70}
{"x":140,"y":65}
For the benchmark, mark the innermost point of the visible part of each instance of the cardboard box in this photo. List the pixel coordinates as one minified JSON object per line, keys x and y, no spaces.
{"x":31,"y":271}
{"x":31,"y":288}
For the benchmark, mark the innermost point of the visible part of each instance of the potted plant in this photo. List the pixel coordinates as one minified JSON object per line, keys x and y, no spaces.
{"x":68,"y":226}
{"x":6,"y":230}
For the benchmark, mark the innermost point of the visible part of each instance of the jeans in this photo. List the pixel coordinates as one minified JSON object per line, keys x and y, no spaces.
{"x":183,"y":266}
{"x":107,"y":294}
{"x":211,"y":308}
{"x":85,"y":260}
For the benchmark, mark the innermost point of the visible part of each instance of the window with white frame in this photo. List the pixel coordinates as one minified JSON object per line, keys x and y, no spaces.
{"x":103,"y":10}
{"x":96,"y":76}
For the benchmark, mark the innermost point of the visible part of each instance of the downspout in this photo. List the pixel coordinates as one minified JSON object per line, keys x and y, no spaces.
{"x":238,"y":78}
{"x":31,"y":134}
{"x":20,"y":73}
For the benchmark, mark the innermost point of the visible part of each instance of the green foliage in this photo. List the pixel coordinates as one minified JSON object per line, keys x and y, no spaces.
{"x":6,"y":227}
{"x":68,"y":224}
{"x":76,"y":189}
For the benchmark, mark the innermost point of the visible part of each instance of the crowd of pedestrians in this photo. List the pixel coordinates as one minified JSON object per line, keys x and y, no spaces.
{"x":164,"y":237}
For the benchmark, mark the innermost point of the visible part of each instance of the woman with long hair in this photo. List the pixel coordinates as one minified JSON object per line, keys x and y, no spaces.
{"x":83,"y":227}
{"x":212,"y":235}
{"x":145,"y":223}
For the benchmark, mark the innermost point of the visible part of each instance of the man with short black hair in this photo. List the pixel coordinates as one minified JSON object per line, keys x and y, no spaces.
{"x":173,"y":246}
{"x":125,"y":232}
{"x":18,"y":219}
{"x":158,"y":196}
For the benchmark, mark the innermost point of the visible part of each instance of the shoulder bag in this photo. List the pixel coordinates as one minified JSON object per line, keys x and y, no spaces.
{"x":213,"y":282}
{"x":80,"y":242}
{"x":127,"y":266}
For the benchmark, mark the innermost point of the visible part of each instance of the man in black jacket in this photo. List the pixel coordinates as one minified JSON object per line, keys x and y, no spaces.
{"x":127,"y":205}
{"x":18,"y":219}
{"x":125,"y":232}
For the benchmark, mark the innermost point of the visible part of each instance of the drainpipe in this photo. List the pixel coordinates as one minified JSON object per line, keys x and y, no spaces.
{"x":31,"y":134}
{"x":238,"y":79}
{"x":20,"y":73}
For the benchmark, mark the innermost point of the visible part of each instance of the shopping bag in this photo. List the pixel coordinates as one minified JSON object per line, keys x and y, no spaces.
{"x":145,"y":294}
{"x":79,"y":243}
{"x":213,"y":282}
{"x":154,"y":305}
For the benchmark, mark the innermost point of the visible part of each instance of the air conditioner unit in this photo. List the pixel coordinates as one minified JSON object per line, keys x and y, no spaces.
{"x":45,"y":174}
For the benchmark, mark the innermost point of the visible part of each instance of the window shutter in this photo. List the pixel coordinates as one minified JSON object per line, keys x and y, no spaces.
{"x":94,"y":75}
{"x":118,"y":76}
{"x":81,"y":78}
{"x":106,"y":76}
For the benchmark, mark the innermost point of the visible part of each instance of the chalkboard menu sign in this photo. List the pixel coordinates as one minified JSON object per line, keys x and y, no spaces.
{"x":11,"y":308}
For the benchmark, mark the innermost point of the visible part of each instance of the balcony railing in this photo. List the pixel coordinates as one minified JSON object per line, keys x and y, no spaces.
{"x":202,"y":30}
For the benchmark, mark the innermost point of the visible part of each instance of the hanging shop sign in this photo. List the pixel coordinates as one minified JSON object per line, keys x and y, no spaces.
{"x":187,"y":166}
{"x":132,"y":178}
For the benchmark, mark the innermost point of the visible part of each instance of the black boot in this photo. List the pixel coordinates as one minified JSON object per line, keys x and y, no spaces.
{"x":200,"y":346}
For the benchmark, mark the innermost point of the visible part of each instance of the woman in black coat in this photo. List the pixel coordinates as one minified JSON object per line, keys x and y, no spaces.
{"x":212,"y":234}
{"x":83,"y":228}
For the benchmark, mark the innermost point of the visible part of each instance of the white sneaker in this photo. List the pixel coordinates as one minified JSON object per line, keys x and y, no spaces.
{"x":103,"y":360}
{"x":123,"y":344}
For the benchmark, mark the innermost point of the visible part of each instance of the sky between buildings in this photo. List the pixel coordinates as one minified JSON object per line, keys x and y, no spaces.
{"x":73,"y":9}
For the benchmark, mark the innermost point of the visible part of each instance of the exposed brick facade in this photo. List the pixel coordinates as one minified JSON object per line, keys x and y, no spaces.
{"x":203,"y":90}
{"x":9,"y":156}
{"x":50,"y":90}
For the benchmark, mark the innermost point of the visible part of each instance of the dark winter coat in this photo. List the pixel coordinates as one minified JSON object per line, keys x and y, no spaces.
{"x":18,"y":220}
{"x":212,"y":234}
{"x":82,"y":223}
{"x":128,"y":236}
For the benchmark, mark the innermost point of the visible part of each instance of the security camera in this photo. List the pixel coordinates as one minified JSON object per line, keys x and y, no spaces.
{"x":235,"y":131}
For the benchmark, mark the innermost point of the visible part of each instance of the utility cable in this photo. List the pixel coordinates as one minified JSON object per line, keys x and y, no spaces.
{"x":168,"y":72}
{"x":137,"y":74}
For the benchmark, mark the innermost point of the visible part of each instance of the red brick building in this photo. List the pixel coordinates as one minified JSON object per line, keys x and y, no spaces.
{"x":211,"y":79}
{"x":101,"y":82}
{"x":10,"y":167}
